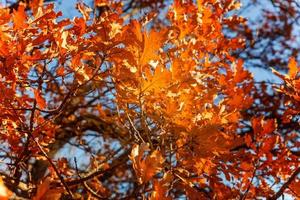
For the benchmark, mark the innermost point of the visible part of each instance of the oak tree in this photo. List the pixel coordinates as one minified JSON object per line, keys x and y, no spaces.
{"x":147,"y":100}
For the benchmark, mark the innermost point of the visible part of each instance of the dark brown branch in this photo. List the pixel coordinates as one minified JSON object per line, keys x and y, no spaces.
{"x":85,"y":185}
{"x":285,"y":185}
{"x":116,"y":163}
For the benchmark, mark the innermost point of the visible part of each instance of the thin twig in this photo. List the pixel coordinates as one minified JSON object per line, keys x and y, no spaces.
{"x":52,"y":164}
{"x":134,"y":128}
{"x":85,"y":185}
{"x":244,"y":196}
{"x":121,"y":160}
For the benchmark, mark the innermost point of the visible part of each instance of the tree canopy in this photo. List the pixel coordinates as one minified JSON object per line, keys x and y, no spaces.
{"x":149,"y":99}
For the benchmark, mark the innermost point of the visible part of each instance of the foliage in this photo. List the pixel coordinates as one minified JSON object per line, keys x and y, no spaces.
{"x":141,"y":100}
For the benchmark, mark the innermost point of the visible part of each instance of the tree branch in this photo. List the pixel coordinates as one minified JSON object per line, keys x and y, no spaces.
{"x":285,"y":185}
{"x":115,"y":163}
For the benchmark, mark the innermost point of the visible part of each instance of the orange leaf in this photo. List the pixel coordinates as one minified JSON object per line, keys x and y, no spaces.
{"x":39,"y":99}
{"x":240,"y":74}
{"x":44,"y":192}
{"x":136,"y":30}
{"x":34,"y":5}
{"x":246,"y":166}
{"x":152,"y":42}
{"x":159,"y":191}
{"x":269,"y":126}
{"x":211,"y":141}
{"x":60,"y":71}
{"x":20,"y":18}
{"x":158,"y":81}
{"x":269,"y":143}
{"x":248,"y":140}
{"x":4,"y":192}
{"x":101,"y":3}
{"x":42,"y":189}
{"x":4,"y":49}
{"x":293,"y":68}
{"x":148,"y":167}
{"x":84,"y":10}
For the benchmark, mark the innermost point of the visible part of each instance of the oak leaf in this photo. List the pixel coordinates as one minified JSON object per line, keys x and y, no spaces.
{"x":293,"y":68}
{"x":145,"y":167}
{"x":153,"y":41}
{"x":39,"y":99}
{"x":158,"y":81}
{"x":20,"y":17}
{"x":44,"y":191}
{"x":209,"y":140}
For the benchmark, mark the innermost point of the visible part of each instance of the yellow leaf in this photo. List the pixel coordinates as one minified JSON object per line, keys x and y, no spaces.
{"x":115,"y":29}
{"x":64,"y":36}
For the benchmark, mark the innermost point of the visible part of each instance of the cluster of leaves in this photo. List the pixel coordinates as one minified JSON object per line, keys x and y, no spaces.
{"x":156,"y":109}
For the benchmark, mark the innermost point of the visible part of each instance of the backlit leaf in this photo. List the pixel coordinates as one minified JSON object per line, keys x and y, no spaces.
{"x":293,"y":68}
{"x":146,"y":167}
{"x":20,"y":17}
